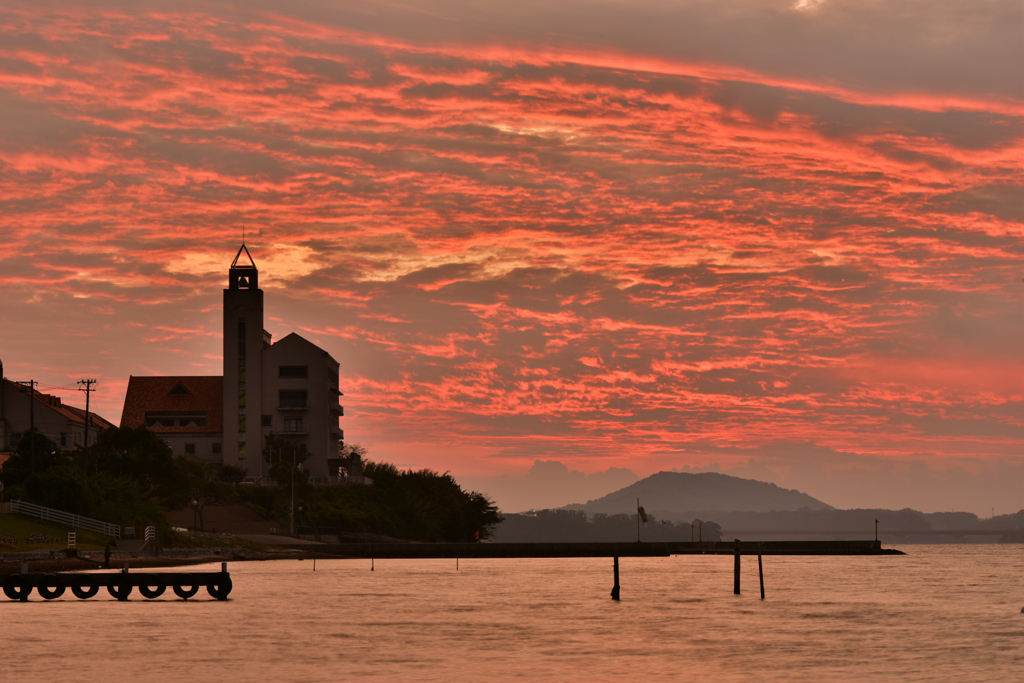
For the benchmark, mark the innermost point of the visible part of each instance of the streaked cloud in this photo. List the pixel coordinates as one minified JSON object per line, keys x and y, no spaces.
{"x":611,"y":234}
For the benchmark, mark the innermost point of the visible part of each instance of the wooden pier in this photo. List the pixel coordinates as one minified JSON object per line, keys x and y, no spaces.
{"x":119,"y":585}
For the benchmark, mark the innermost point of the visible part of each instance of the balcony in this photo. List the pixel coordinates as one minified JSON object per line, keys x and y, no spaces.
{"x":292,"y":399}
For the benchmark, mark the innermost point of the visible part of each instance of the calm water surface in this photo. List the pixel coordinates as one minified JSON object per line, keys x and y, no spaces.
{"x":941,"y":613}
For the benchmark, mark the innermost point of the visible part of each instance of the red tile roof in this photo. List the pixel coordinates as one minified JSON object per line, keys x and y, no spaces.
{"x":153,"y":394}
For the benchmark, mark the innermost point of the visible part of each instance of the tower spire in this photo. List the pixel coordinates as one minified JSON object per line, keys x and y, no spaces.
{"x":243,"y":275}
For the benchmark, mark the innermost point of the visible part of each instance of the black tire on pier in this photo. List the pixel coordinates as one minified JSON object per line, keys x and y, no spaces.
{"x":120,"y":591}
{"x":51,"y":587}
{"x":85,"y":591}
{"x":221,"y":589}
{"x":158,"y":586}
{"x":184,"y":593}
{"x":17,"y":587}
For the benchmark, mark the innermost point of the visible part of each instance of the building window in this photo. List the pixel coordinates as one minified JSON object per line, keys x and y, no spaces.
{"x":292,"y":399}
{"x":159,"y":419}
{"x":241,"y":423}
{"x":293,"y":424}
{"x":216,"y":449}
{"x":190,"y":449}
{"x":267,"y":422}
{"x":241,"y":450}
{"x":63,"y":439}
{"x":293,"y":371}
{"x":241,"y":397}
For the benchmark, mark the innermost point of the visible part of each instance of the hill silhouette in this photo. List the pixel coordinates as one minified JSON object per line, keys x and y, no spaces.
{"x":685,"y":495}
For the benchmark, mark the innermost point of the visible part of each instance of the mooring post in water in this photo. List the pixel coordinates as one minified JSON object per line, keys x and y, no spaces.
{"x":24,"y":568}
{"x":760,"y":569}
{"x":125,"y":570}
{"x":371,"y":564}
{"x":456,"y":564}
{"x":615,"y":571}
{"x":736,"y":568}
{"x":224,"y":567}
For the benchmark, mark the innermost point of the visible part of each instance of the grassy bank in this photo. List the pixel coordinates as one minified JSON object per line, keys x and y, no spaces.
{"x":22,"y":529}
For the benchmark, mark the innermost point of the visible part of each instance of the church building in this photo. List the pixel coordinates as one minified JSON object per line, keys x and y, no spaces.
{"x":289,"y":388}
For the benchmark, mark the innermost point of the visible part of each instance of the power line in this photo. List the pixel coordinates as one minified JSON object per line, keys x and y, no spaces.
{"x":53,"y":387}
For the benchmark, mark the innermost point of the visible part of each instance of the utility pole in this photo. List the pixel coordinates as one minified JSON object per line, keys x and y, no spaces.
{"x":88,"y":391}
{"x":31,"y":421}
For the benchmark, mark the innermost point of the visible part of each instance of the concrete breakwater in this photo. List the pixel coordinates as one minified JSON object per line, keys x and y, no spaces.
{"x":527,"y":550}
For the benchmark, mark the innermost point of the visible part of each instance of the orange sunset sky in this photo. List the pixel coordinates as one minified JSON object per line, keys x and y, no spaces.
{"x":781,"y":238}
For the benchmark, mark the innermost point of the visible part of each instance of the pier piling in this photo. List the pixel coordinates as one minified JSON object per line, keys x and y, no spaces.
{"x":736,"y":568}
{"x":760,"y":568}
{"x":615,"y":571}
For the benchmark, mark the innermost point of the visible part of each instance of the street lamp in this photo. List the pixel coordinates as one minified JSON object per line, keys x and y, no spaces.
{"x":291,"y":508}
{"x":195,"y":507}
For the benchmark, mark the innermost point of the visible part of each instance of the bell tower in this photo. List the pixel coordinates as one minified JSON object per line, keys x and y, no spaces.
{"x":243,"y":346}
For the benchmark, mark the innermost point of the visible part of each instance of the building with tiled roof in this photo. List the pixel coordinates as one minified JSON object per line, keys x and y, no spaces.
{"x":186,"y":411}
{"x":289,"y":388}
{"x":63,"y":424}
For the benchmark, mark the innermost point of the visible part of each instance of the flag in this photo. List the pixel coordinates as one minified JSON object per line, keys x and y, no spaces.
{"x":643,"y":515}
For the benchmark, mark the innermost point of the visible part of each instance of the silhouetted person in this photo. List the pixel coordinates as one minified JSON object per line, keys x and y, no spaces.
{"x":106,"y":556}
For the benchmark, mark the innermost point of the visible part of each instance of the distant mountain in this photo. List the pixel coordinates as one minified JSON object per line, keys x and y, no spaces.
{"x":685,"y":495}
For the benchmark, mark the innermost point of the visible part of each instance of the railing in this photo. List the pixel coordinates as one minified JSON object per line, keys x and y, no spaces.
{"x":45,"y":514}
{"x":339,"y":481}
{"x":315,"y":481}
{"x":259,"y":481}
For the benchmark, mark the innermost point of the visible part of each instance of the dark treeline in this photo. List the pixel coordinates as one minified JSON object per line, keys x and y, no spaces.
{"x":130,"y":477}
{"x":573,"y":526}
{"x":412,"y":505}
